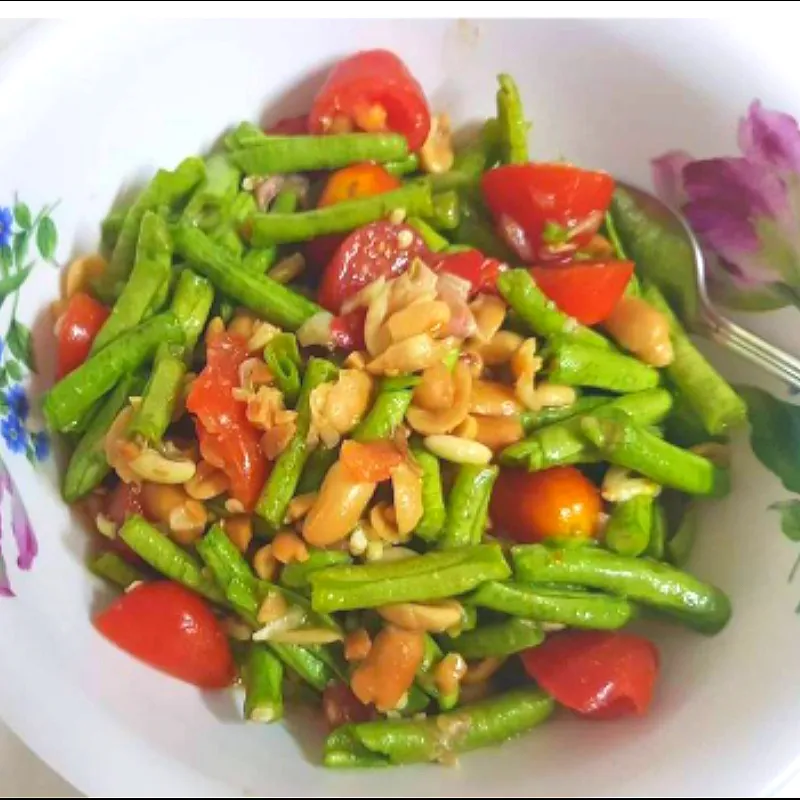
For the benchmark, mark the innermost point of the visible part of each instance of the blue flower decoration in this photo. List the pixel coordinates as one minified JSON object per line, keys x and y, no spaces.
{"x":6,"y":222}
{"x":14,"y":433}
{"x":18,"y":402}
{"x":41,"y":445}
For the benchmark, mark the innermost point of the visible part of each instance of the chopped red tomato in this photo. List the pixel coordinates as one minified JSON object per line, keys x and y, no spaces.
{"x":81,"y":322}
{"x":123,"y":501}
{"x":586,"y":291}
{"x":172,"y":629}
{"x":598,"y":674}
{"x":546,"y":211}
{"x":372,"y":91}
{"x":472,"y":266}
{"x":227,"y":439}
{"x":289,"y":126}
{"x":556,"y":503}
{"x":359,"y":180}
{"x":347,"y":330}
{"x":342,"y":707}
{"x":370,"y":462}
{"x":368,"y":253}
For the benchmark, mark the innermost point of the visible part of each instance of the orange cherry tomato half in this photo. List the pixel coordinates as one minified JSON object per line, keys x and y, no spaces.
{"x":584,"y":290}
{"x":358,"y":180}
{"x":80,"y":324}
{"x":173,"y":630}
{"x":558,"y":503}
{"x":371,"y":462}
{"x":600,"y":675}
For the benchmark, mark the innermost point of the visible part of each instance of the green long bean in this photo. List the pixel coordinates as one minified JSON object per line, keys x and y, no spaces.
{"x":282,"y":356}
{"x":316,"y":468}
{"x":266,"y":297}
{"x":630,"y":525}
{"x":261,"y":260}
{"x":468,"y":506}
{"x":386,"y":415}
{"x":434,"y":513}
{"x":497,"y":640}
{"x":263,"y":685}
{"x":74,"y":396}
{"x":282,"y":482}
{"x":208,"y":205}
{"x":513,"y":126}
{"x":269,"y":229}
{"x":425,"y":577}
{"x":661,"y":586}
{"x":116,"y":570}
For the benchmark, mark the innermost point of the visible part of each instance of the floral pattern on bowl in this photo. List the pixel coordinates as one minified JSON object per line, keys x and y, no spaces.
{"x":20,"y":233}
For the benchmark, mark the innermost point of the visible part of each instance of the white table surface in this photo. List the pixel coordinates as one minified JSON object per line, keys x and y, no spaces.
{"x":22,"y":774}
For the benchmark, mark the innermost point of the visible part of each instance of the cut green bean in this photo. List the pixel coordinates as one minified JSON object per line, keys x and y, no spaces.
{"x":592,"y":611}
{"x":88,"y":465}
{"x":161,"y":553}
{"x":630,"y":446}
{"x":208,"y":206}
{"x":680,"y":544}
{"x":306,"y":664}
{"x":116,"y":570}
{"x":263,"y":685}
{"x":661,"y":586}
{"x":540,"y":314}
{"x":166,"y":189}
{"x":565,"y":443}
{"x":75,"y":395}
{"x":386,"y":415}
{"x":245,"y":134}
{"x":224,"y":561}
{"x":513,"y":126}
{"x":616,"y":242}
{"x":629,"y":527}
{"x":575,"y":364}
{"x":282,"y":482}
{"x":483,"y":724}
{"x":268,"y":229}
{"x":146,"y":284}
{"x":295,"y":574}
{"x":446,"y":211}
{"x":467,"y":506}
{"x":111,"y":228}
{"x":434,"y":513}
{"x":656,"y":547}
{"x":533,"y":420}
{"x":269,"y":299}
{"x":191,"y":304}
{"x":405,"y":166}
{"x":426,"y":675}
{"x":476,"y":231}
{"x":282,"y":356}
{"x":284,"y":154}
{"x":316,"y":468}
{"x":261,"y":260}
{"x":714,"y":400}
{"x":426,"y":577}
{"x":497,"y":640}
{"x":432,"y":238}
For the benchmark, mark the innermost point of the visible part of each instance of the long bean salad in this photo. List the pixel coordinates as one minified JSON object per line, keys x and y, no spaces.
{"x":362,"y":419}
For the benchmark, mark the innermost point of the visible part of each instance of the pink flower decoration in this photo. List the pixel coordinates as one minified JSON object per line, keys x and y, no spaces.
{"x":21,"y":530}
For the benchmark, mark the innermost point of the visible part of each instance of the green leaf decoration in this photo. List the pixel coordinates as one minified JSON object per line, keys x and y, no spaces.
{"x":21,"y":242}
{"x":3,"y":377}
{"x":14,"y":370}
{"x":11,"y":283}
{"x":22,"y":216}
{"x":3,"y":403}
{"x":20,"y":342}
{"x":790,"y":518}
{"x":6,"y":259}
{"x":46,"y":238}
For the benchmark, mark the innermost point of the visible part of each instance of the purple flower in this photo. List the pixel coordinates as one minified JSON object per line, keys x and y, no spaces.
{"x":14,"y":433}
{"x":744,"y":210}
{"x":18,"y":402}
{"x":6,"y":221}
{"x":21,"y":530}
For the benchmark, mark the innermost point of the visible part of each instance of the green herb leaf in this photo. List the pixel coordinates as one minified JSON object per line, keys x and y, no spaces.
{"x":774,"y":434}
{"x":20,"y":342}
{"x":11,"y":283}
{"x":14,"y":370}
{"x":46,"y":238}
{"x":790,"y":518}
{"x":22,"y":216}
{"x":21,"y":241}
{"x":6,"y":259}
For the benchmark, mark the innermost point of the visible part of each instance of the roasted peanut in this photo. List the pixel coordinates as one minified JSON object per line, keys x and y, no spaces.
{"x":435,"y":617}
{"x":264,"y":563}
{"x":287,"y":546}
{"x":429,"y":316}
{"x":492,"y":399}
{"x":357,"y":645}
{"x":207,"y":482}
{"x":449,"y":673}
{"x":433,"y":422}
{"x":435,"y":392}
{"x":436,"y":154}
{"x":497,"y":432}
{"x":643,"y":330}
{"x":239,"y":530}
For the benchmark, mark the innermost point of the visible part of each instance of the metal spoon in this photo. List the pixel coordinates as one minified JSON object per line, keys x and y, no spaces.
{"x":697,"y":313}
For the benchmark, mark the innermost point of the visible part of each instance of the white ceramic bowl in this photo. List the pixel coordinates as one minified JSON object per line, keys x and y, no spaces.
{"x":87,"y":110}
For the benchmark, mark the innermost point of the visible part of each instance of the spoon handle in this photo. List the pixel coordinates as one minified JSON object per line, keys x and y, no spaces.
{"x":754,"y":348}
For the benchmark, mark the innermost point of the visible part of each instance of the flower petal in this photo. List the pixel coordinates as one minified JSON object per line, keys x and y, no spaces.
{"x":27,"y":545}
{"x":667,"y":172}
{"x":770,"y":139}
{"x":5,"y":585}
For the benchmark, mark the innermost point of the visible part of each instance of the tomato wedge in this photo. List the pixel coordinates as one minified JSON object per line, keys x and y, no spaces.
{"x":80,"y":324}
{"x":558,"y":503}
{"x":371,"y":462}
{"x":227,"y":439}
{"x":472,"y":266}
{"x":546,"y":211}
{"x":601,"y":675}
{"x":368,"y":253}
{"x":347,"y":330}
{"x":290,"y":126}
{"x":172,"y":629}
{"x":372,"y":90}
{"x":586,"y":291}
